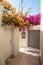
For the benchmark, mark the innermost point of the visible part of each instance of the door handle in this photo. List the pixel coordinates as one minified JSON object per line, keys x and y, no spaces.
{"x":10,"y":41}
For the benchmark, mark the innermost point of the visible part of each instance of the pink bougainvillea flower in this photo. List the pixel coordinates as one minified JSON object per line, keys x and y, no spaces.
{"x":23,"y":29}
{"x":35,"y":19}
{"x":27,"y":28}
{"x":38,"y":16}
{"x":32,"y":19}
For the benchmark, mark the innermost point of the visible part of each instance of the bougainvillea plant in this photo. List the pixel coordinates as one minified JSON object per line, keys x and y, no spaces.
{"x":14,"y":19}
{"x":35,"y":19}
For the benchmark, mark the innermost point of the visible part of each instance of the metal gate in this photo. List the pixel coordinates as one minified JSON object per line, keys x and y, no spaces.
{"x":34,"y":38}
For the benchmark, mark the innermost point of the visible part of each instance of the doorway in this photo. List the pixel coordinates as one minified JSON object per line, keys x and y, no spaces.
{"x":34,"y":39}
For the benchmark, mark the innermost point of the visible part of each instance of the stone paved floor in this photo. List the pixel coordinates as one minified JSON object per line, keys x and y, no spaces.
{"x":26,"y":59}
{"x":30,"y":50}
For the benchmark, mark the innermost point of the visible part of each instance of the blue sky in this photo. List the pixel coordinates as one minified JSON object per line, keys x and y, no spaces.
{"x":34,"y":4}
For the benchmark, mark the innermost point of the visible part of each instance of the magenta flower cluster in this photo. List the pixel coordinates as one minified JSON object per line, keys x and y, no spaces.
{"x":35,"y":19}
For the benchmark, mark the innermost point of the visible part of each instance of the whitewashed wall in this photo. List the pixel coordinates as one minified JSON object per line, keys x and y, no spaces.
{"x":41,"y":34}
{"x":19,"y":42}
{"x":5,"y":46}
{"x":23,"y":41}
{"x":16,"y":41}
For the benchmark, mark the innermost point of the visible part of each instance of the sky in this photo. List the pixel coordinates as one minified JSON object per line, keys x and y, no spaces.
{"x":34,"y":4}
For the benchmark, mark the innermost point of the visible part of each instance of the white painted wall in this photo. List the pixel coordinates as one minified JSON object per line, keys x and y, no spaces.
{"x":23,"y":42}
{"x":19,"y":41}
{"x":16,"y":41}
{"x":41,"y":34}
{"x":5,"y":46}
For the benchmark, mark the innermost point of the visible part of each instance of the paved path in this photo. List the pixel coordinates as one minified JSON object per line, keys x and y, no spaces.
{"x":25,"y":59}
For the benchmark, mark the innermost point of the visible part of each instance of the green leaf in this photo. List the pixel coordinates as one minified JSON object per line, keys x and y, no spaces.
{"x":28,"y":11}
